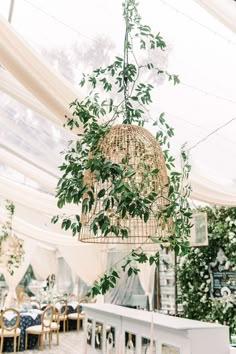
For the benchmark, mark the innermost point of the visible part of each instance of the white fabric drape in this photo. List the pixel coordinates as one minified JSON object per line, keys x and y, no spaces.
{"x":225,"y":11}
{"x":10,"y":86}
{"x":23,"y":166}
{"x":25,"y":195}
{"x":43,"y":262}
{"x":208,"y":191}
{"x":53,"y":91}
{"x":88,"y":261}
{"x":147,"y":277}
{"x":13,"y":280}
{"x":38,"y":234}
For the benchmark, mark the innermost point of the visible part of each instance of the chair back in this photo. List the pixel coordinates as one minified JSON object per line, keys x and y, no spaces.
{"x":56,"y":315}
{"x":61,"y":306}
{"x":9,"y":319}
{"x":47,"y":316}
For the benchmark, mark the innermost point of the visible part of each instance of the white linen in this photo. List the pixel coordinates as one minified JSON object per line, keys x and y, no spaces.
{"x":32,"y":313}
{"x":225,"y":11}
{"x":54,"y":92}
{"x":147,"y":277}
{"x":10,"y":85}
{"x":88,"y":261}
{"x":44,"y":263}
{"x":73,"y":304}
{"x":9,"y":315}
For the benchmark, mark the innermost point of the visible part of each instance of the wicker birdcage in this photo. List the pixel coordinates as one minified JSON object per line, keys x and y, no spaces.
{"x":140,"y":149}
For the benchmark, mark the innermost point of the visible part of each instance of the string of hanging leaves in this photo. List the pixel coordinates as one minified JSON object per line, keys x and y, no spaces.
{"x":129,"y":98}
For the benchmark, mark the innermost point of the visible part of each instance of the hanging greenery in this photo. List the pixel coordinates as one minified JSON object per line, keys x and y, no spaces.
{"x":127,"y":102}
{"x":11,"y":247}
{"x":194,"y":275}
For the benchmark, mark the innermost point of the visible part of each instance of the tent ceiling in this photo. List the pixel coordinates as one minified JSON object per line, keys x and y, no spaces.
{"x":77,"y":36}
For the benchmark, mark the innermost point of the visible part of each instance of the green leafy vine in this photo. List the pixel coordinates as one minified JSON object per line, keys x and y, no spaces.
{"x":11,"y":247}
{"x":193,"y":272}
{"x":128,"y":103}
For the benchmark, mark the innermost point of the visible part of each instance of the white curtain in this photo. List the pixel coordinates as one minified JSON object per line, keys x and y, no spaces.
{"x":53,"y":91}
{"x":223,"y":10}
{"x":43,"y":262}
{"x":88,"y":261}
{"x":25,"y":195}
{"x":206,"y":190}
{"x":10,"y":85}
{"x":20,"y":164}
{"x":38,"y":234}
{"x":13,"y":280}
{"x":147,"y":278}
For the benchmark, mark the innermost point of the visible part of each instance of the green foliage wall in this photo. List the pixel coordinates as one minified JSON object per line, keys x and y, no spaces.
{"x":193,"y":274}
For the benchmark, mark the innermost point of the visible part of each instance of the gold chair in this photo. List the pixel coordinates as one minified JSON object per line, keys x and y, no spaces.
{"x":55,"y":325}
{"x":61,"y":306}
{"x":43,"y":329}
{"x":7,"y":331}
{"x":78,"y":315}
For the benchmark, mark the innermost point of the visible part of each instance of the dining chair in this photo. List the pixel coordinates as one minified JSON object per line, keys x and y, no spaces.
{"x":55,"y":325}
{"x":9,"y":327}
{"x":61,"y":306}
{"x":43,"y":329}
{"x":78,"y":316}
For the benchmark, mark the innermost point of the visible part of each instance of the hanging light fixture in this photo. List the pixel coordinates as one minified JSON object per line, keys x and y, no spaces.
{"x":142,"y":151}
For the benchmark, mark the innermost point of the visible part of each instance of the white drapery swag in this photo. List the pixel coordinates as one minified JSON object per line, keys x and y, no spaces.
{"x":147,"y":279}
{"x":13,"y":280}
{"x":88,"y":261}
{"x":44,"y":262}
{"x":53,"y":91}
{"x":223,"y":10}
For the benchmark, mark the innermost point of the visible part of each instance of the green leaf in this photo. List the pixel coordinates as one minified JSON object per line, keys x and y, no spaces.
{"x":101,"y":193}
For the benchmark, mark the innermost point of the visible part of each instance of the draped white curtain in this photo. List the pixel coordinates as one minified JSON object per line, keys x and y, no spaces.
{"x":11,"y":86}
{"x":147,"y":278}
{"x":43,"y":262}
{"x":88,"y":261}
{"x":13,"y":280}
{"x":25,"y":195}
{"x":225,"y":11}
{"x":54,"y":92}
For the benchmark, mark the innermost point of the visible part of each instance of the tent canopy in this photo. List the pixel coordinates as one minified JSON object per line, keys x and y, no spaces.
{"x":43,"y":53}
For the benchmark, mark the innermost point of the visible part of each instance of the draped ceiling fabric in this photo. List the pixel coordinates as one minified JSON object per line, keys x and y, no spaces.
{"x":23,"y":63}
{"x":225,"y":11}
{"x":35,"y":97}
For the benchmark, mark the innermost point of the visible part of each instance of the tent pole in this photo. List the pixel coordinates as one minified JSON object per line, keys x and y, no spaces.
{"x":11,"y":11}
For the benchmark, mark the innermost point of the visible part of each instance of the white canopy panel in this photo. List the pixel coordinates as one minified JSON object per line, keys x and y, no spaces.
{"x":45,"y":50}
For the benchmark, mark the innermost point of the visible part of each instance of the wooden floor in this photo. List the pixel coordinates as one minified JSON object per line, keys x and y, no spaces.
{"x":71,"y":342}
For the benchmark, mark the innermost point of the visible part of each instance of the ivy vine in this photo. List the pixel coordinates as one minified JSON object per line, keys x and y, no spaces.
{"x":193,"y":272}
{"x":11,"y":247}
{"x":128,"y":102}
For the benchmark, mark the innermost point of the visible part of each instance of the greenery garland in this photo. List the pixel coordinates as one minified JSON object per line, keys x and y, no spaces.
{"x":193,"y":274}
{"x":11,"y":247}
{"x":128,"y":101}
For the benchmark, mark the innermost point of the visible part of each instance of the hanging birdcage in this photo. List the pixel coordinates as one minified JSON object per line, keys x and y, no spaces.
{"x":142,"y":152}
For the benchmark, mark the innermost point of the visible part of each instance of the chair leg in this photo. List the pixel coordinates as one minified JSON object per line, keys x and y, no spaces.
{"x":14,"y":344}
{"x":57,"y":336}
{"x":26,"y":340}
{"x":50,"y":339}
{"x":1,"y":344}
{"x":41,"y":341}
{"x":18,"y":347}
